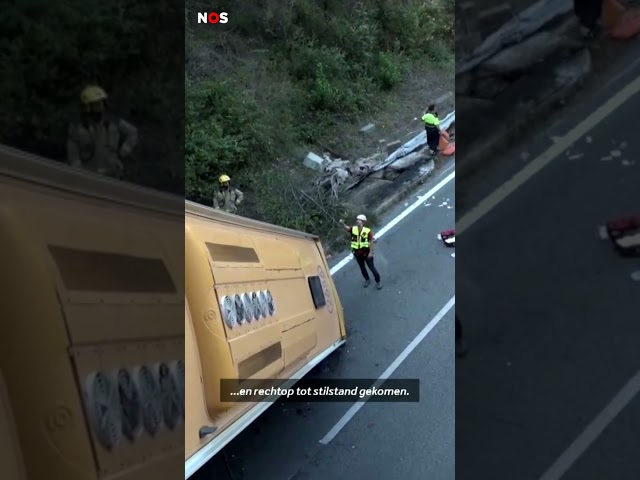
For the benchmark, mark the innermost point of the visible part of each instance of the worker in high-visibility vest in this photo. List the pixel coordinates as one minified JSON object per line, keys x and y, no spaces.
{"x":432,"y":128}
{"x":362,"y":242}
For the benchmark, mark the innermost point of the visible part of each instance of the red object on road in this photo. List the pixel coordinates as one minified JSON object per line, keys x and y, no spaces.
{"x":624,"y":232}
{"x":448,"y":237}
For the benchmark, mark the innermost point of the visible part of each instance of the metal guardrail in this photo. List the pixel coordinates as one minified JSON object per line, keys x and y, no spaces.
{"x":415,"y":143}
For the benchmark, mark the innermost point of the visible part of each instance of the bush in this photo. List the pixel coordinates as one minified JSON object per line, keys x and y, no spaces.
{"x":308,"y":209}
{"x":333,"y":58}
{"x":225,"y":132}
{"x":53,"y":49}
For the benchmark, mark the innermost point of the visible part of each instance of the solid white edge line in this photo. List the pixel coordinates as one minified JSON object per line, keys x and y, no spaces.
{"x":206,"y":453}
{"x":562,"y":465}
{"x":339,"y":266}
{"x":488,"y":203}
{"x":389,"y":371}
{"x":196,"y":461}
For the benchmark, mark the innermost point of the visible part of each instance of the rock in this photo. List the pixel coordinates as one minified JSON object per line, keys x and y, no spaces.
{"x":524,"y":55}
{"x":406,"y":161}
{"x":340,"y":176}
{"x":393,"y":146}
{"x":314,"y":161}
{"x":368,"y":129}
{"x":331,"y":166}
{"x":363,"y":167}
{"x":574,"y":69}
{"x":428,"y":167}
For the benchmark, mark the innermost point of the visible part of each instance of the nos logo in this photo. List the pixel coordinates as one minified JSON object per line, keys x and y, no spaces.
{"x":213,"y":17}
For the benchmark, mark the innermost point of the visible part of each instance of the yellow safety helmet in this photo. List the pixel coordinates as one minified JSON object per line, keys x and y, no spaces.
{"x":224,"y":178}
{"x":92,"y":94}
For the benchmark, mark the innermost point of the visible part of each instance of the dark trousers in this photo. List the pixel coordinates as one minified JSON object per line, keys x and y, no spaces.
{"x":588,"y":12}
{"x":364,"y":260}
{"x":433,"y":138}
{"x":458,"y":329}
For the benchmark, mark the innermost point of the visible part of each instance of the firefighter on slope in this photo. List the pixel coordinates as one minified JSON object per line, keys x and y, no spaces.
{"x":362,"y":242}
{"x":227,"y":198}
{"x":99,"y":142}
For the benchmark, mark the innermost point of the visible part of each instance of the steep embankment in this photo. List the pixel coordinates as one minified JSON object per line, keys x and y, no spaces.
{"x":284,"y":77}
{"x":51,"y":50}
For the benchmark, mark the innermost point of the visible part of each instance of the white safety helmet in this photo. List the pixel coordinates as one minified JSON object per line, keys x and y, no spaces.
{"x":361,"y":217}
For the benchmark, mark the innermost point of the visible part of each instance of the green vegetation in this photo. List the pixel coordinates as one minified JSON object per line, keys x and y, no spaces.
{"x":51,"y":50}
{"x":283,"y":75}
{"x":280,"y":78}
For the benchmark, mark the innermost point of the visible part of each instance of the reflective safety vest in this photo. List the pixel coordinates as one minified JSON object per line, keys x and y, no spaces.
{"x":431,"y":120}
{"x":360,"y":241}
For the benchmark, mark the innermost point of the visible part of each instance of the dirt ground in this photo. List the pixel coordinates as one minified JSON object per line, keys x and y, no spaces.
{"x":400,"y":117}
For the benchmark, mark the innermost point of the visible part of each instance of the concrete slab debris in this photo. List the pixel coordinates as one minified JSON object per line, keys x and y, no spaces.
{"x":314,"y":161}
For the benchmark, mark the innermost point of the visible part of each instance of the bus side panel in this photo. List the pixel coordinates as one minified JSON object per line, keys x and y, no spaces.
{"x":331,"y":290}
{"x":51,"y":346}
{"x":195,"y":406}
{"x":213,"y":348}
{"x":231,"y":269}
{"x":11,"y":460}
{"x":92,"y":269}
{"x":34,"y":354}
{"x":328,"y":317}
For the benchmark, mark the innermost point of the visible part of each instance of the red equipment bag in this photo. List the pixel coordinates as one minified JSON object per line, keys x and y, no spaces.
{"x":448,"y":237}
{"x":624,"y":232}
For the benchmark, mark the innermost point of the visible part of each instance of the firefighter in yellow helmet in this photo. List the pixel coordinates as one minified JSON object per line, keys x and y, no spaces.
{"x":99,"y":142}
{"x":226,"y":197}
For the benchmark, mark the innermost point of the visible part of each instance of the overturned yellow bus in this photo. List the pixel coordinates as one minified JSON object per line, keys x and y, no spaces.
{"x":260,"y":304}
{"x":91,"y":338}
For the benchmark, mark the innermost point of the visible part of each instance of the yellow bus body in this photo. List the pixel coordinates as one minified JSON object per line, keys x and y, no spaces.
{"x":93,"y":283}
{"x":92,"y":295}
{"x":250,"y":314}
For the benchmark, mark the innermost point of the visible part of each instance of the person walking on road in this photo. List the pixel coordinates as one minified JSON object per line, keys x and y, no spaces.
{"x":362,"y":242}
{"x":432,"y":128}
{"x":227,"y":198}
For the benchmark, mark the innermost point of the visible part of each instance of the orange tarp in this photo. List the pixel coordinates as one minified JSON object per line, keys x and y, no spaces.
{"x":447,"y":148}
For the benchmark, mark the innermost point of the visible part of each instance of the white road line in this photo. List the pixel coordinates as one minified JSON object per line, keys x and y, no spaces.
{"x":389,"y":371}
{"x":556,"y":149}
{"x":594,"y":430}
{"x":339,"y":266}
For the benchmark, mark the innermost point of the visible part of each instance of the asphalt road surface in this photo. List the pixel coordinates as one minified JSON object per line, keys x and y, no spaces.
{"x":550,"y":310}
{"x":382,"y":440}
